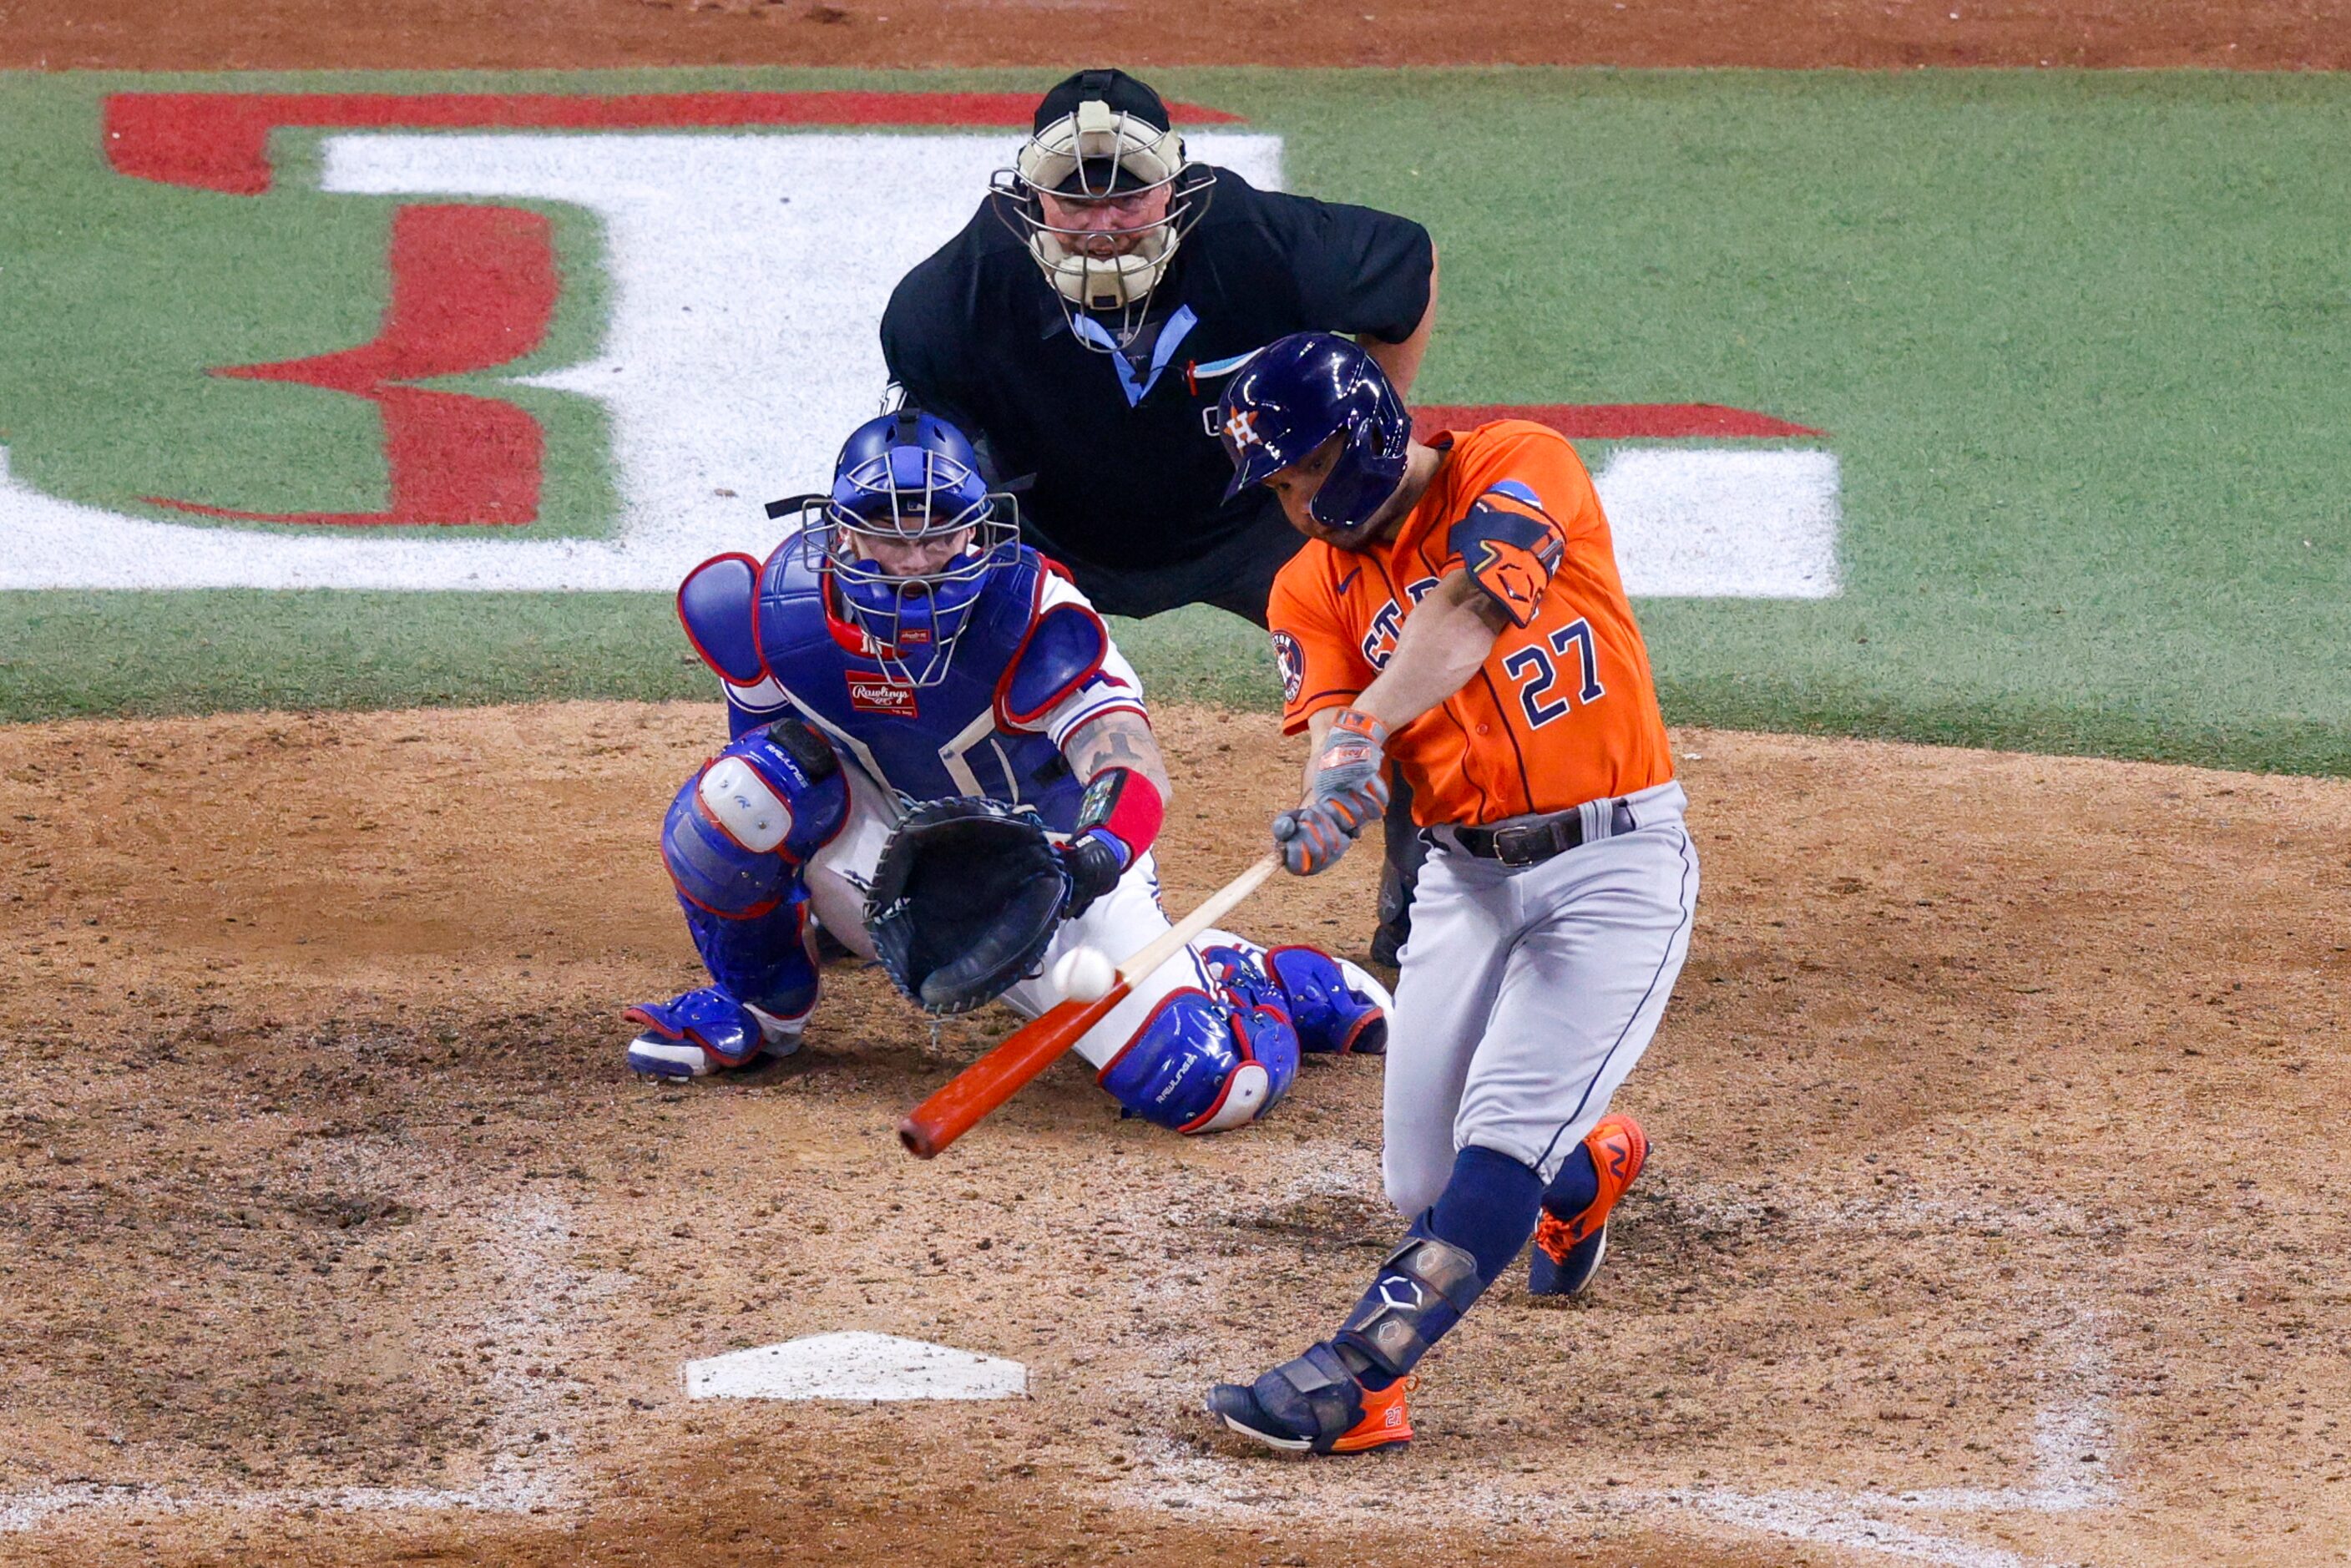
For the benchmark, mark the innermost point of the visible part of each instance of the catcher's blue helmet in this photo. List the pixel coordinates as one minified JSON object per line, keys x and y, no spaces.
{"x":907,"y":487}
{"x":1295,"y":394}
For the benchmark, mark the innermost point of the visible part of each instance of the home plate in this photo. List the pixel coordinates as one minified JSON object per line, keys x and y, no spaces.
{"x":863,"y":1366}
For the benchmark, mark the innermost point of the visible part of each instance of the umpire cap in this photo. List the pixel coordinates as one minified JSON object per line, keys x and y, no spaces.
{"x":1125,"y":95}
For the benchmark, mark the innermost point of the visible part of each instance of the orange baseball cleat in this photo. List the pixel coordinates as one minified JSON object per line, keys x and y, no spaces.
{"x":1568,"y":1250}
{"x":1315,"y":1405}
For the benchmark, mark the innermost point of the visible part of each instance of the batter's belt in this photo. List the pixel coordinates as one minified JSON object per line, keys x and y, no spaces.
{"x":1531,"y":840}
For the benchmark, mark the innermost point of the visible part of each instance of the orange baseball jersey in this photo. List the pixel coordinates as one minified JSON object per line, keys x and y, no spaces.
{"x":1563,"y":711}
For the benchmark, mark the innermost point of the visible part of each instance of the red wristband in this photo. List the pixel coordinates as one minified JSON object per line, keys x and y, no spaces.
{"x":1124,"y":804}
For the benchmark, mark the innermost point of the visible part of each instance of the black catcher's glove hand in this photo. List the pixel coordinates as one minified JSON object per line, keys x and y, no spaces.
{"x":1094,"y":868}
{"x":965,"y":901}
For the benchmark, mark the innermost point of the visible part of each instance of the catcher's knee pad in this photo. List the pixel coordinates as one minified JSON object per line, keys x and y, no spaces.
{"x":739,"y":830}
{"x":1336,"y":1007}
{"x":1200,"y":1065}
{"x":765,"y":960}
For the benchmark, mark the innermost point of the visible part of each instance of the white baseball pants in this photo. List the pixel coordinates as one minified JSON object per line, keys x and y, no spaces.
{"x":1527,"y":994}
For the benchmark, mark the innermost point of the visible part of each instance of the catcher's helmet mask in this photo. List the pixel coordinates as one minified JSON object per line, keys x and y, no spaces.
{"x":1102,"y":136}
{"x":1299,"y":392}
{"x":908,"y":479}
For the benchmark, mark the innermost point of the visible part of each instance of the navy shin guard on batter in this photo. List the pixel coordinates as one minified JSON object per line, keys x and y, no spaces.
{"x":1447,"y":1258}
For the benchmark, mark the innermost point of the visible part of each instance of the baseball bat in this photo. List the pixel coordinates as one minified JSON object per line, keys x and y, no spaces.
{"x":987,"y":1083}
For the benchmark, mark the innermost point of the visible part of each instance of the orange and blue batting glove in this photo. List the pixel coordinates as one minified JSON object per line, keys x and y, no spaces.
{"x":1309,"y":840}
{"x":1349,"y":791}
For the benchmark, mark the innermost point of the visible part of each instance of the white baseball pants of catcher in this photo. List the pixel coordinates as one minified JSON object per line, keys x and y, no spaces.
{"x":1120,"y":923}
{"x":1527,"y":994}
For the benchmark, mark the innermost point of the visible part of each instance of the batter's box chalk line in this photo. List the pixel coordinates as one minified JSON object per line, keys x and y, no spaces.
{"x":858,"y":1366}
{"x":524,"y":1244}
{"x":1867,"y":1523}
{"x":2073,"y":1437}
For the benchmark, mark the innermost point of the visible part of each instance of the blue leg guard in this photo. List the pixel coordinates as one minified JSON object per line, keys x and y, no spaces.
{"x":703,"y":1031}
{"x":767,"y":986}
{"x":765,"y":960}
{"x":1330,"y":1013}
{"x":1201,"y":1065}
{"x":739,"y":831}
{"x":734,"y":842}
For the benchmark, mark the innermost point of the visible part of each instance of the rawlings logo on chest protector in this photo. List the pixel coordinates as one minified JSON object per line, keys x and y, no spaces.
{"x":872,"y":694}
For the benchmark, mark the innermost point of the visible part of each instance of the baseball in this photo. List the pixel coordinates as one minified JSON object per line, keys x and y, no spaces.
{"x":1084,"y":974}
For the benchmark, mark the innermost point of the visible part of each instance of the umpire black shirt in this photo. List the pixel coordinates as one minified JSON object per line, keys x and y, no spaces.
{"x":1128,"y":471}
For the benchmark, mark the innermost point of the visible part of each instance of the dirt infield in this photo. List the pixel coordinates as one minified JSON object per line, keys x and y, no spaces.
{"x":1993,"y":1217}
{"x":1868,"y":35}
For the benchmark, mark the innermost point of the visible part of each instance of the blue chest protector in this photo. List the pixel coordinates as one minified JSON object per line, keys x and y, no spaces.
{"x":767,"y":630}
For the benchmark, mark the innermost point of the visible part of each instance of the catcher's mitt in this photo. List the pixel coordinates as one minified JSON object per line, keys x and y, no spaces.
{"x":965,"y":901}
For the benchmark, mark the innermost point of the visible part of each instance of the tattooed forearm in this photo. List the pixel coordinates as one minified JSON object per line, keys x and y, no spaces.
{"x":1118,"y":740}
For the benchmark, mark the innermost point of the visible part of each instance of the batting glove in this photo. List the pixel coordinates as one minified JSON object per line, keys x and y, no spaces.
{"x":1309,"y":840}
{"x":1349,"y":781}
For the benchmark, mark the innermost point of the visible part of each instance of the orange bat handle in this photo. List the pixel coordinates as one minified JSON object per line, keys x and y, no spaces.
{"x":987,"y":1083}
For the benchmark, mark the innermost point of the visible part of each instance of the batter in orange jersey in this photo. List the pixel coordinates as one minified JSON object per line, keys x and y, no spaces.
{"x":1458,"y":614}
{"x":1563,"y":710}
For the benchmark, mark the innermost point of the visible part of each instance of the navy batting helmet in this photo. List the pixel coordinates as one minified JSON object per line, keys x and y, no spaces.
{"x":1295,"y":394}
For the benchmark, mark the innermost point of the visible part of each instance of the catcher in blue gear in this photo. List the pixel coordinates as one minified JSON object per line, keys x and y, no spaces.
{"x":939,"y":758}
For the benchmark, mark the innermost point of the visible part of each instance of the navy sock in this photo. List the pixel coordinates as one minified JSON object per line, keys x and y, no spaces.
{"x":1487,"y":1209}
{"x":1578,"y":1183}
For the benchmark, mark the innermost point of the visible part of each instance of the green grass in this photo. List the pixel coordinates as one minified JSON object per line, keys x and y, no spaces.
{"x":2081,"y":343}
{"x":150,"y":654}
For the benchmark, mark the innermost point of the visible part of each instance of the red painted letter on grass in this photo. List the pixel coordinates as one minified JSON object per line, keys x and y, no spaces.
{"x":471,"y":288}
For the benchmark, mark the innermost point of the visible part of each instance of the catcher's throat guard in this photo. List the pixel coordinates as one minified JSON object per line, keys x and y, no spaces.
{"x":965,"y":901}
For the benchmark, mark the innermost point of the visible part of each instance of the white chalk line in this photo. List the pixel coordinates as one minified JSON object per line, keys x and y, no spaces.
{"x":2070,"y":1471}
{"x":528,"y":1244}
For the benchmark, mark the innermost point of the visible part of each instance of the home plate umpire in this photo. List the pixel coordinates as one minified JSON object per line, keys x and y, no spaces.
{"x":1080,"y":328}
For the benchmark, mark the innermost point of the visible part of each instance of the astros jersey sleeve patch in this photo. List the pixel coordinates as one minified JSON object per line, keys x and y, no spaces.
{"x":1510,"y":546}
{"x":1314,"y":651}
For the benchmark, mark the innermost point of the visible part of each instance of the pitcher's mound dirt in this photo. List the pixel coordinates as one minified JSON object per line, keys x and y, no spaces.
{"x":1994,"y":1216}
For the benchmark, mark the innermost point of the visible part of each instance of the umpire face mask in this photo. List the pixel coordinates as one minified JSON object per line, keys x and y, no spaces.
{"x":1102,"y":199}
